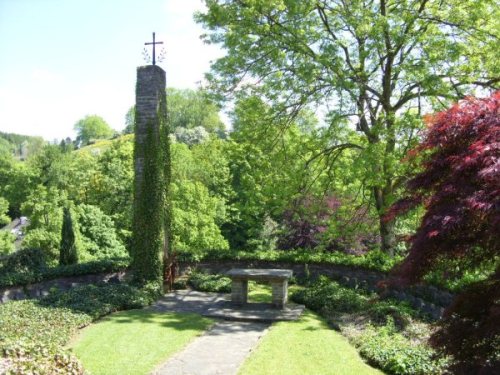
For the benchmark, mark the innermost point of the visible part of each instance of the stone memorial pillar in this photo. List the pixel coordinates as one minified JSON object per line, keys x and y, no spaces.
{"x":150,"y":180}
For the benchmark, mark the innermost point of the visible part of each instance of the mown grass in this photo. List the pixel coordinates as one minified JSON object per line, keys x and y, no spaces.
{"x":306,"y":346}
{"x":135,"y":341}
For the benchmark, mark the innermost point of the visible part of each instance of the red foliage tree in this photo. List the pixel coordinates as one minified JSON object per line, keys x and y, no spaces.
{"x":460,"y":190}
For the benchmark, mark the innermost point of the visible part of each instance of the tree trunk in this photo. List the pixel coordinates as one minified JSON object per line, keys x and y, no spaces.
{"x":387,"y":236}
{"x":386,"y":229}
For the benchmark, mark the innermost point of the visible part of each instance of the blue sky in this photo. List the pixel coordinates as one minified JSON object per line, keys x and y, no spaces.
{"x":64,"y":59}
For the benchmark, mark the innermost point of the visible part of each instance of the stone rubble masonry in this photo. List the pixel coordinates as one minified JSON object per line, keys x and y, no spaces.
{"x":41,"y":289}
{"x":426,"y":298}
{"x":150,"y":104}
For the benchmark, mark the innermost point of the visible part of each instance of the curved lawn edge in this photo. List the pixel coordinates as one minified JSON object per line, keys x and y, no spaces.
{"x":135,"y":341}
{"x":306,"y":346}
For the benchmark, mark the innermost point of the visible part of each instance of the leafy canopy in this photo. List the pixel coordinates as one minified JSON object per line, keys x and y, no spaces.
{"x":91,"y":128}
{"x":460,"y":189}
{"x":368,"y":63}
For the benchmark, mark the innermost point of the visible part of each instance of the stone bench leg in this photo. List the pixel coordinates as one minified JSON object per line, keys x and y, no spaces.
{"x":280,"y":293}
{"x":239,"y":292}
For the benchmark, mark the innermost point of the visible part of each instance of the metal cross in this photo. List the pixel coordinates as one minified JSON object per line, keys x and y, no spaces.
{"x":154,"y":50}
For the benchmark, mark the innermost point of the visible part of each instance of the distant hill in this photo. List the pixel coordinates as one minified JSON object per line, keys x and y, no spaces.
{"x":101,"y":145}
{"x":20,"y":146}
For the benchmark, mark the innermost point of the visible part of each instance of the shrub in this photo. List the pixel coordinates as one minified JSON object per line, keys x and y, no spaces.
{"x":375,"y":259}
{"x":22,"y":267}
{"x":328,"y":297}
{"x":100,"y":299}
{"x":395,"y":354}
{"x":32,"y":337}
{"x":44,"y":240}
{"x":210,"y":283}
{"x":98,"y":234}
{"x":29,"y":266}
{"x":6,"y":243}
{"x":68,"y":253}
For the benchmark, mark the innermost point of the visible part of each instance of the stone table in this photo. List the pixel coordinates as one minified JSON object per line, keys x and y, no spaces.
{"x":276,"y":277}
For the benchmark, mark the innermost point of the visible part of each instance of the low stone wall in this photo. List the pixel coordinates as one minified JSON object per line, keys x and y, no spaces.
{"x":426,"y":298}
{"x":43,"y":288}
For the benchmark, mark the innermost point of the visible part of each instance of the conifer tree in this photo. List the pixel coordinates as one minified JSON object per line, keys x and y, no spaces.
{"x":68,"y":248}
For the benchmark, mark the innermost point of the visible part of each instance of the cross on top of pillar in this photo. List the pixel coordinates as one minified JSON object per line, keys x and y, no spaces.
{"x":153,"y":43}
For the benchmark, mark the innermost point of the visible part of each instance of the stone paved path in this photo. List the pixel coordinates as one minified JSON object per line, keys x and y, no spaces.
{"x":221,"y":350}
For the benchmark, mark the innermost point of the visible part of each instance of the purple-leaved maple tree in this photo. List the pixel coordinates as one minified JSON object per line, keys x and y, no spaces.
{"x":459,"y":186}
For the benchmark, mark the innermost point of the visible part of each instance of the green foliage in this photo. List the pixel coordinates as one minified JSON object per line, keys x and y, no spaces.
{"x":375,"y":259}
{"x":396,"y":354}
{"x":46,"y":241}
{"x":68,"y":252}
{"x":209,"y":283}
{"x":370,"y":64}
{"x":29,"y":266}
{"x":330,"y":296}
{"x":382,"y":344}
{"x":129,"y":121}
{"x":22,"y":267}
{"x":151,"y":233}
{"x":20,"y":146}
{"x":4,"y":207}
{"x":189,"y":109}
{"x":98,"y":234}
{"x":91,"y":128}
{"x":6,"y":242}
{"x":34,"y":333}
{"x":33,"y":337}
{"x":194,"y":212}
{"x":100,"y":299}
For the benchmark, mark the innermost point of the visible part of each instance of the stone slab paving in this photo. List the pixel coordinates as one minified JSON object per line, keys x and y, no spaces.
{"x":255,"y":312}
{"x":190,"y":301}
{"x":223,"y":348}
{"x":220,"y":351}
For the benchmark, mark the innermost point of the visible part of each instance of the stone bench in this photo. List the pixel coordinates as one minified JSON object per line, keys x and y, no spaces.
{"x":276,"y":277}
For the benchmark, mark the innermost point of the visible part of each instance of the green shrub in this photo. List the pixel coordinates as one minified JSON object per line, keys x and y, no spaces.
{"x":98,"y":234}
{"x":210,"y":283}
{"x":32,"y":337}
{"x":68,"y":249}
{"x":396,"y":354}
{"x":401,"y":312}
{"x":100,"y":299}
{"x":29,"y":266}
{"x":328,"y":297}
{"x":22,"y":267}
{"x":6,"y":242}
{"x":375,"y":259}
{"x":48,"y":242}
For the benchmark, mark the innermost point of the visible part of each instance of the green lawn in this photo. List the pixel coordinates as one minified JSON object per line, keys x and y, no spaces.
{"x":135,"y":341}
{"x":307,"y":346}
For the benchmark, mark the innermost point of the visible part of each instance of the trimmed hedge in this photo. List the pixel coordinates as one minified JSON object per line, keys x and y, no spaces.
{"x":374,"y":260}
{"x":28,"y":266}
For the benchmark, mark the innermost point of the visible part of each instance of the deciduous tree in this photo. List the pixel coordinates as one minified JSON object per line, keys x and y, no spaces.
{"x":92,"y":128}
{"x":372,"y":63}
{"x":460,"y":189}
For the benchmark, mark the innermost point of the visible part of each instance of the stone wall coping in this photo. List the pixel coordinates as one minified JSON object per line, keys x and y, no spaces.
{"x":259,"y":273}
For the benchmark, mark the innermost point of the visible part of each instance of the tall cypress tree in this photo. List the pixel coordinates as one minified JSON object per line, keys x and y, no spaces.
{"x":68,"y":253}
